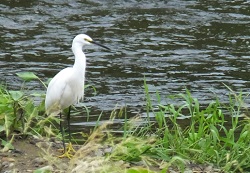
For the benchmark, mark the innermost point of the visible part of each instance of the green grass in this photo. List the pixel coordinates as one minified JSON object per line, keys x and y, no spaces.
{"x":215,"y":134}
{"x":210,"y":137}
{"x":20,"y":113}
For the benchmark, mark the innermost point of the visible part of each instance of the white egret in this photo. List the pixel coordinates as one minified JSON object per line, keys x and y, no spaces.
{"x":67,"y":87}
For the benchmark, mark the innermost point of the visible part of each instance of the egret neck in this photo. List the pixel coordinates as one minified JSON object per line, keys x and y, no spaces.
{"x":80,"y":59}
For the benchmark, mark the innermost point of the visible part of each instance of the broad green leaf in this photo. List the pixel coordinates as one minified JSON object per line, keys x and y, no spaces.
{"x":7,"y":146}
{"x":27,"y":76}
{"x":16,"y":95}
{"x":132,"y":171}
{"x":138,"y":170}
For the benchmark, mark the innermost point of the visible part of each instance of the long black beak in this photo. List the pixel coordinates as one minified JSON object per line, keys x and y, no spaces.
{"x":100,"y":45}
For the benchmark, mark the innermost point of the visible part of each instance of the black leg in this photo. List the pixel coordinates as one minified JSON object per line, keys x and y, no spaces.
{"x":62,"y":131}
{"x":68,"y":119}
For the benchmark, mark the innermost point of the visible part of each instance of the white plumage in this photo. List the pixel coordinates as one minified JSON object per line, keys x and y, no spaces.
{"x":67,"y":87}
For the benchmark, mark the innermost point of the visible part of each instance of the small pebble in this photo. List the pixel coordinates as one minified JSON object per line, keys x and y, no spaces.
{"x":52,"y":139}
{"x":64,"y":166}
{"x":8,"y":159}
{"x":16,"y":151}
{"x":140,"y":163}
{"x":33,"y":142}
{"x":9,"y":171}
{"x":43,"y":144}
{"x":99,"y":153}
{"x":11,"y":165}
{"x":3,"y":154}
{"x":108,"y":150}
{"x":208,"y":168}
{"x":5,"y":164}
{"x":46,"y":168}
{"x":39,"y":161}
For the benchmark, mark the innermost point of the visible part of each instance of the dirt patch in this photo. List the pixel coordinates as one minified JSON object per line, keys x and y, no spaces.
{"x":29,"y":155}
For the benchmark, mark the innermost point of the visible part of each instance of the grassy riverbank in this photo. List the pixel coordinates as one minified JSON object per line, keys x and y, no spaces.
{"x":216,"y":137}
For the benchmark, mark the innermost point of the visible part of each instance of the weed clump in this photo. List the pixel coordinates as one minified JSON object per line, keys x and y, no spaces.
{"x":213,"y":138}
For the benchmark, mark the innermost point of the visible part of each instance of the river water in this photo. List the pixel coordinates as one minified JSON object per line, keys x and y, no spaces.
{"x":174,"y":44}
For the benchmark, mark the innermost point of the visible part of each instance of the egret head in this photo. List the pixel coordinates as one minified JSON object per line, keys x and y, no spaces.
{"x":83,"y":39}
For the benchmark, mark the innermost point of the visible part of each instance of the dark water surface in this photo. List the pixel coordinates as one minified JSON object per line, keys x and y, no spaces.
{"x":174,"y":44}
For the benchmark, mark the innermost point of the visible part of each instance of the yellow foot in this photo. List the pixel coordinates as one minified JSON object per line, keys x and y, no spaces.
{"x":70,"y":151}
